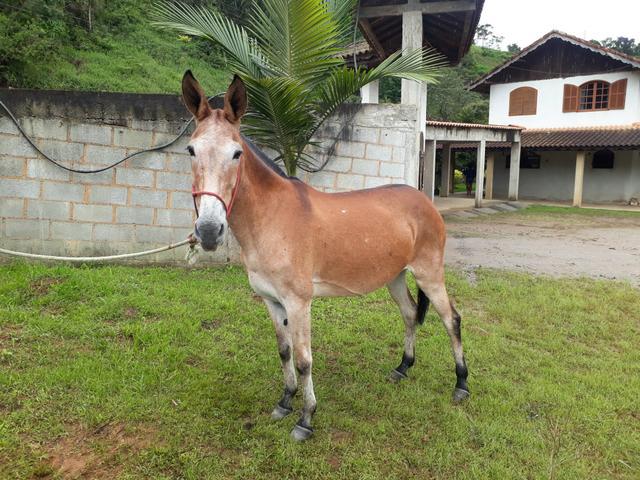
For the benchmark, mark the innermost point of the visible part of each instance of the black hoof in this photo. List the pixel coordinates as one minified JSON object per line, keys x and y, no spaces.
{"x":460,"y":395}
{"x":396,"y":376}
{"x":300,"y":433}
{"x":280,"y":412}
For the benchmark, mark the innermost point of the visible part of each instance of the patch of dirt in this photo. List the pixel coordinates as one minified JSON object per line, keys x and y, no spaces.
{"x":575,"y":245}
{"x":212,"y":324}
{"x":97,"y":453}
{"x":130,"y":312}
{"x":42,"y":285}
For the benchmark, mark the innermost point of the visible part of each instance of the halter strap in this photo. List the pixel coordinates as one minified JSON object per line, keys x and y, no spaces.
{"x":234,"y":192}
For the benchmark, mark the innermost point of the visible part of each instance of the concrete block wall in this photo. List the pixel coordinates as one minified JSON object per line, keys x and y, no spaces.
{"x":146,"y":202}
{"x":370,"y":142}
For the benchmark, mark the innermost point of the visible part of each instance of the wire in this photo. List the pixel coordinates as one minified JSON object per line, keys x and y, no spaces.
{"x":97,"y":170}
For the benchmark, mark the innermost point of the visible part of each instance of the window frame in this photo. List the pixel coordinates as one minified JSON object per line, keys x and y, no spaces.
{"x":594,"y":95}
{"x":531,"y":95}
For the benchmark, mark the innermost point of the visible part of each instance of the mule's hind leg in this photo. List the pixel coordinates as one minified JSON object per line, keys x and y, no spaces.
{"x":400,"y":294}
{"x":285,"y":349}
{"x":432,"y":283}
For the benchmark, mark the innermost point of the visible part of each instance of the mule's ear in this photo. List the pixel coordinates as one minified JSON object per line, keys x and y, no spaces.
{"x":235,"y":100}
{"x":194,"y":97}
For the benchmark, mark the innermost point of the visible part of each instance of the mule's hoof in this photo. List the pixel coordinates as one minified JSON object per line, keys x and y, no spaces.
{"x":396,"y":376}
{"x":300,"y":433}
{"x":460,"y":395}
{"x":280,"y":412}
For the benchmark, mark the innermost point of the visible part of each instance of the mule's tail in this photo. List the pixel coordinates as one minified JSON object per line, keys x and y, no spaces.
{"x":423,"y":306}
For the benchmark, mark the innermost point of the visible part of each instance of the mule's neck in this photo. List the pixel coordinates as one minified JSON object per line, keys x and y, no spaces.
{"x":256,"y":196}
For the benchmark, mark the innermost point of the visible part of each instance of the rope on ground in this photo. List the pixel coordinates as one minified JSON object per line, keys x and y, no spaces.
{"x":96,"y":259}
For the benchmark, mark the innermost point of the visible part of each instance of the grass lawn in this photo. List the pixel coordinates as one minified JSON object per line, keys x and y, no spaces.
{"x":122,"y":372}
{"x":551,"y":212}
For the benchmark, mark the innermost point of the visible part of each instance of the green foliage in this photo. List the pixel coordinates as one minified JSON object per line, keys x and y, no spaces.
{"x":168,"y":373}
{"x":621,"y":44}
{"x":290,"y":58}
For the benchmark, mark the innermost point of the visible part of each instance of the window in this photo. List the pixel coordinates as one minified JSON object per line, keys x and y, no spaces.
{"x":595,"y":95}
{"x":603,"y":159}
{"x":523,"y":101}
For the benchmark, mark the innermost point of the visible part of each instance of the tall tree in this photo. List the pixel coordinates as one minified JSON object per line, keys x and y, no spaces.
{"x":290,"y":57}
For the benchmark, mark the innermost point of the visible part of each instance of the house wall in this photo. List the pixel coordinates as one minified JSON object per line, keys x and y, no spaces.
{"x":146,"y":202}
{"x":550,"y":97}
{"x":554,"y":180}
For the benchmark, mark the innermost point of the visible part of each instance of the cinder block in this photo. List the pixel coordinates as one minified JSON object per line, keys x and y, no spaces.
{"x":393,"y":138}
{"x":103,"y":178}
{"x":152,"y":160}
{"x":350,"y":181}
{"x":19,"y":188}
{"x":322,"y":179}
{"x":371,"y":182}
{"x":71,"y":231}
{"x":63,"y":191}
{"x":155,"y":234}
{"x":395,"y":170}
{"x":93,"y":213}
{"x":365,"y":134}
{"x":179,"y":163}
{"x":7,"y":126}
{"x":365,"y":167}
{"x":62,"y":152}
{"x":137,"y":215}
{"x":11,"y":167}
{"x":108,"y":195}
{"x":15,"y":146}
{"x":100,"y":155}
{"x":148,"y":198}
{"x":173,"y":181}
{"x":114,"y":233}
{"x":54,"y":128}
{"x":350,"y":149}
{"x":132,"y":138}
{"x":398,"y":154}
{"x":40,"y":168}
{"x":181,"y":200}
{"x":175,"y":218}
{"x":378,"y":152}
{"x":179,"y":147}
{"x":27,"y":229}
{"x":90,"y":133}
{"x":137,"y":178}
{"x":339,"y":164}
{"x":48,"y":210}
{"x":11,"y":207}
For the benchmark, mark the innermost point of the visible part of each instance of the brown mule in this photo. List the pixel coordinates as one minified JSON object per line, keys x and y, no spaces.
{"x":298,"y":243}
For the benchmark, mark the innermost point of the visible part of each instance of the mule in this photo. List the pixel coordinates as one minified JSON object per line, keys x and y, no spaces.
{"x":298,"y":243}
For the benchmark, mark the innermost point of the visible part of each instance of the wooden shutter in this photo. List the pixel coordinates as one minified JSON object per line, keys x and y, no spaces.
{"x":523,"y":101}
{"x":617,"y":94}
{"x":570,"y":100}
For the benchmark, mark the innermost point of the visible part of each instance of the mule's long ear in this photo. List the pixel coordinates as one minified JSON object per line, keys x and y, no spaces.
{"x":235,"y":100}
{"x":194,"y":97}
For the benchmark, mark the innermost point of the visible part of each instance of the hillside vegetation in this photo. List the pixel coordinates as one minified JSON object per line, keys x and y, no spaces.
{"x":110,"y":45}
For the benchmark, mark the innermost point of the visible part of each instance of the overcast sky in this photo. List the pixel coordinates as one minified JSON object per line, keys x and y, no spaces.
{"x":523,"y":22}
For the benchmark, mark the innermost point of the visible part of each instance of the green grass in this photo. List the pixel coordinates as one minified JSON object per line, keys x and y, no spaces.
{"x":553,"y":212}
{"x":172,"y":373}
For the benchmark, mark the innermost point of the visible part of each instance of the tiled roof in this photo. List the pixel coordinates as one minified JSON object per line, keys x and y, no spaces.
{"x":436,"y":123}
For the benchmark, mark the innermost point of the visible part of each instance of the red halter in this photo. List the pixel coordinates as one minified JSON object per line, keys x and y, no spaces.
{"x":234,"y":192}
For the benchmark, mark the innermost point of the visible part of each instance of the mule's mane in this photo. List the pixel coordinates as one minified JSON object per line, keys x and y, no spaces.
{"x":264,"y":158}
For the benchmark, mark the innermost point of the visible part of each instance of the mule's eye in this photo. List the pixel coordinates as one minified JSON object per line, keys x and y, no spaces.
{"x":236,"y":154}
{"x":191,"y":151}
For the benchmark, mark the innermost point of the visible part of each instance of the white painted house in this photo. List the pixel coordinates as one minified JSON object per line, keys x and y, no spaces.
{"x":579,"y":106}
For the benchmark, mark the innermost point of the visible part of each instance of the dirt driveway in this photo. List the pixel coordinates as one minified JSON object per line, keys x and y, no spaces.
{"x":597,"y":245}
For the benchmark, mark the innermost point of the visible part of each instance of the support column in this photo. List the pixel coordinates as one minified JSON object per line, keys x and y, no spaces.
{"x":480,"y":172}
{"x":579,"y":179}
{"x":414,"y":93}
{"x":445,"y":176}
{"x":514,"y":171}
{"x":429,"y":168}
{"x":452,"y":183}
{"x":370,"y":93}
{"x":490,"y":162}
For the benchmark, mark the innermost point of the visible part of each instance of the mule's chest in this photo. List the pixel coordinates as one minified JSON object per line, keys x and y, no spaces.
{"x":262,"y":285}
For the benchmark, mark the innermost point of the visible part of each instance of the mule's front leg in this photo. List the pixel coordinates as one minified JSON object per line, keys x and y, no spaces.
{"x":300,"y":316}
{"x":283,"y":335}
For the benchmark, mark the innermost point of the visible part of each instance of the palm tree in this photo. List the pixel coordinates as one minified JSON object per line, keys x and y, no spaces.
{"x":291,"y":58}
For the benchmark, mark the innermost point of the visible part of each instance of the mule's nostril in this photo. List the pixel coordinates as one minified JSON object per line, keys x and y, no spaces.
{"x":221,"y":229}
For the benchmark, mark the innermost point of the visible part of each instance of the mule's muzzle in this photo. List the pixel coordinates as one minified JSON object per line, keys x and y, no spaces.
{"x":210,"y":234}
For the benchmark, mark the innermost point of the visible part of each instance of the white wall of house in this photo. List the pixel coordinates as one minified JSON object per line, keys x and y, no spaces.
{"x":550,"y":96}
{"x":555,"y":177}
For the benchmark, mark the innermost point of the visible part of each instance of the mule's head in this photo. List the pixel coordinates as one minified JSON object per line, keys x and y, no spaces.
{"x":215,"y":148}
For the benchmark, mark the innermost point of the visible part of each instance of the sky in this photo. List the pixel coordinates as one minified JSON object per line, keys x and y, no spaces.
{"x":523,"y":22}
